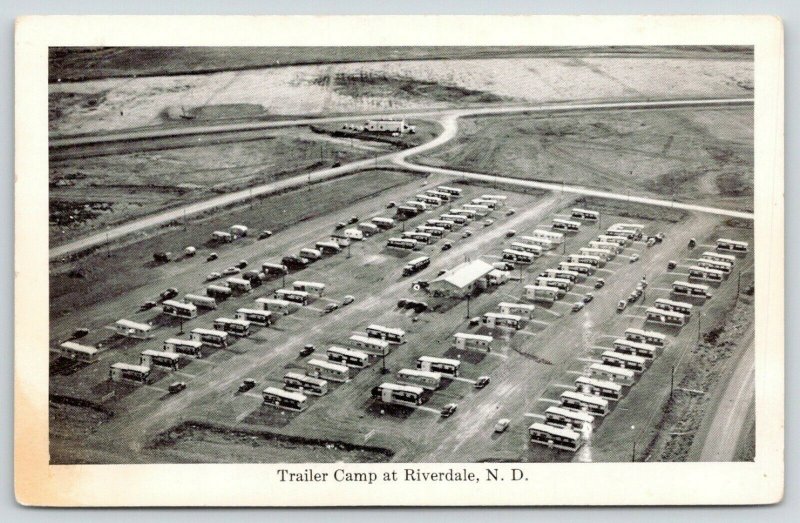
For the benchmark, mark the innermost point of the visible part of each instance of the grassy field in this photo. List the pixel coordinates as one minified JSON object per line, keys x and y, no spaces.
{"x":393,"y":85}
{"x":81,"y":63}
{"x":699,"y":155}
{"x":529,"y":368}
{"x":88,"y":193}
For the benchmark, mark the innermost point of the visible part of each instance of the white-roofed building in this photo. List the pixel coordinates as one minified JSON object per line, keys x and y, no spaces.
{"x":462,"y":279}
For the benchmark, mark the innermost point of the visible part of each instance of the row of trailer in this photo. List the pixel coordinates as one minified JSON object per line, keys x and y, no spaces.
{"x":427,"y":200}
{"x":565,"y":426}
{"x":337,"y":366}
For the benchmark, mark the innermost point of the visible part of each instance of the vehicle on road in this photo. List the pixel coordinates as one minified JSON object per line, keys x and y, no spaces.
{"x":213,"y":276}
{"x":577,"y":306}
{"x":621,"y":305}
{"x":488,"y":222}
{"x":265,"y":234}
{"x":482,"y":381}
{"x":391,"y":205}
{"x":146,"y":306}
{"x":692,"y":243}
{"x":347,"y":300}
{"x":231,"y":270}
{"x":588,"y":297}
{"x":671,"y":265}
{"x":510,"y":212}
{"x":634,"y":258}
{"x":331,"y":307}
{"x":446,"y":246}
{"x":306,"y":350}
{"x":651,"y":241}
{"x":448,"y":410}
{"x":247,"y":384}
{"x":510,"y":233}
{"x":213,"y":256}
{"x":176,"y":387}
{"x":600,"y":283}
{"x":466,"y":233}
{"x":168,"y":294}
{"x":502,"y":425}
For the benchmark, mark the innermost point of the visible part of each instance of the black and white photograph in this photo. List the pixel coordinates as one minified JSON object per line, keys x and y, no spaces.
{"x":401,"y":254}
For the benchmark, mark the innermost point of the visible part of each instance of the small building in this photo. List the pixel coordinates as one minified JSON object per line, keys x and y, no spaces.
{"x":465,"y":341}
{"x":520,"y":309}
{"x":389,"y":126}
{"x":462,"y":280}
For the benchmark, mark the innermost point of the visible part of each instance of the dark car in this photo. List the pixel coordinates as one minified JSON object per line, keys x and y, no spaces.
{"x":352,"y":220}
{"x":213,"y":256}
{"x":146,"y":306}
{"x":176,"y":387}
{"x":340,"y":225}
{"x":402,"y":303}
{"x":671,"y":265}
{"x":294,"y":262}
{"x":264,"y":235}
{"x":169,"y":293}
{"x":448,"y":410}
{"x":474,"y":321}
{"x":588,"y":297}
{"x":306,"y":350}
{"x":416,"y":306}
{"x":482,"y":382}
{"x":692,"y":243}
{"x":247,"y":384}
{"x":446,"y":246}
{"x":659,"y":237}
{"x":80,"y":333}
{"x":599,"y":283}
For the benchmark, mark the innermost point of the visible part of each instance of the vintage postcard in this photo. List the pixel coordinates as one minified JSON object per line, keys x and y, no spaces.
{"x":353,"y":261}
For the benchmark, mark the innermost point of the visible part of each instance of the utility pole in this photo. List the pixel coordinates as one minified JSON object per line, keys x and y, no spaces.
{"x":283,"y":279}
{"x":181,"y":331}
{"x":672,"y":382}
{"x":633,"y":453}
{"x":699,"y":322}
{"x":468,"y":298}
{"x":348,"y":249}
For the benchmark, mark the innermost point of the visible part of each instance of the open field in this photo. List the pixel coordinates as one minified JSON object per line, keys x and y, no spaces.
{"x":380,"y":86}
{"x":702,"y":156}
{"x":210,"y":422}
{"x":89,"y":193}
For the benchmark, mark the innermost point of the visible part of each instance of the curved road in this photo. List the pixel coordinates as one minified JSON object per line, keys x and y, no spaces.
{"x":449,"y":121}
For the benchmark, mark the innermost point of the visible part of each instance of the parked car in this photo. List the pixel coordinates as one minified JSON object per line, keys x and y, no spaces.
{"x":692,"y":243}
{"x":651,"y":241}
{"x":503,"y":266}
{"x":213,"y":276}
{"x":634,"y":258}
{"x":168,"y":294}
{"x":600,"y":283}
{"x":482,"y":381}
{"x":502,"y":425}
{"x":242,"y":264}
{"x":247,"y":384}
{"x":588,"y":297}
{"x":621,"y":305}
{"x":306,"y":350}
{"x":264,"y":234}
{"x":632,"y":297}
{"x":510,"y":212}
{"x":659,"y":237}
{"x":671,"y":265}
{"x":176,"y":387}
{"x":446,"y":246}
{"x":510,"y":233}
{"x":577,"y":306}
{"x":80,"y":333}
{"x":448,"y":410}
{"x":474,"y":321}
{"x":391,"y":205}
{"x":331,"y":307}
{"x":402,"y":303}
{"x":347,"y":300}
{"x":466,"y":233}
{"x":213,"y":256}
{"x":340,"y":225}
{"x":231,"y":270}
{"x":147,"y":305}
{"x":643,"y":283}
{"x":487,"y":222}
{"x":352,"y":220}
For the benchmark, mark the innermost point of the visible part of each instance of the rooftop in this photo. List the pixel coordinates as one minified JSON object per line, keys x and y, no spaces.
{"x":466,"y":273}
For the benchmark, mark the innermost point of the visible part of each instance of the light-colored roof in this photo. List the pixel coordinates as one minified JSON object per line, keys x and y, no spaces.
{"x":128,"y":324}
{"x":466,"y":273}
